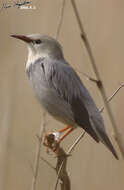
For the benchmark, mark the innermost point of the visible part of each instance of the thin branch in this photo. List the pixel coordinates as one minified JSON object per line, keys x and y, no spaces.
{"x":49,"y":164}
{"x":99,"y":82}
{"x":112,"y":96}
{"x":31,"y":167}
{"x":60,"y":19}
{"x":68,"y":152}
{"x":75,"y":143}
{"x":61,"y":167}
{"x":94,"y":80}
{"x":61,"y":170}
{"x":86,"y":75}
{"x":38,"y":150}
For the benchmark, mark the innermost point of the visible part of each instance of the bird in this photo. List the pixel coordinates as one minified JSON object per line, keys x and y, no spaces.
{"x":60,"y":90}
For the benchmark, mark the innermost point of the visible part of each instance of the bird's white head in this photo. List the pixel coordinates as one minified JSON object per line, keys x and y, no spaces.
{"x":41,"y":46}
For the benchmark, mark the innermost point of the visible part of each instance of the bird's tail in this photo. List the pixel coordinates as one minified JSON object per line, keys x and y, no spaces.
{"x":101,"y":133}
{"x":106,"y":141}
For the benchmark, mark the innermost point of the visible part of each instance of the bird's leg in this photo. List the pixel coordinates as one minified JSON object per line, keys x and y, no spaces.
{"x":52,"y":140}
{"x":57,"y":144}
{"x":64,"y":129}
{"x":67,"y":133}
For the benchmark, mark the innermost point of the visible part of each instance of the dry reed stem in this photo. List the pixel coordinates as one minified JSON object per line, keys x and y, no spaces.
{"x":38,"y":151}
{"x":60,"y":19}
{"x":62,"y":165}
{"x":100,"y":86}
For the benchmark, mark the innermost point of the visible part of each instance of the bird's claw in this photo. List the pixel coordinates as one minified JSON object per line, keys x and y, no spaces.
{"x":51,"y":141}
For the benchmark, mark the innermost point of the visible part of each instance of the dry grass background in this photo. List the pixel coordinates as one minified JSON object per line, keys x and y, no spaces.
{"x":91,"y":166}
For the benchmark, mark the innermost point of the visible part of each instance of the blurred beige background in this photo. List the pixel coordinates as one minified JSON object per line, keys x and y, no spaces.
{"x":92,"y":166}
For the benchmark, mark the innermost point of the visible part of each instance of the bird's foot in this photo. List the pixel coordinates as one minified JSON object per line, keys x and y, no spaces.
{"x":51,"y":141}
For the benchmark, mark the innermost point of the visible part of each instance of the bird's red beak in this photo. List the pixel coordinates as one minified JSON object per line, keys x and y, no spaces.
{"x":21,"y":37}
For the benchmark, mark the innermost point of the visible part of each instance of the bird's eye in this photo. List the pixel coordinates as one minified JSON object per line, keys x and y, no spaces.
{"x":38,"y":41}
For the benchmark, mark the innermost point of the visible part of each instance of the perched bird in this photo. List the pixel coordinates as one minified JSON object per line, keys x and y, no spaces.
{"x":60,"y":90}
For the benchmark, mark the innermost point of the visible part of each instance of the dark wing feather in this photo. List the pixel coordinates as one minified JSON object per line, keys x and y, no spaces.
{"x":68,"y":85}
{"x":81,"y":117}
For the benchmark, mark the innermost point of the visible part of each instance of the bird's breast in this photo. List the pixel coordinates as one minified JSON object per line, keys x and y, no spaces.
{"x":47,"y":96}
{"x":37,"y":79}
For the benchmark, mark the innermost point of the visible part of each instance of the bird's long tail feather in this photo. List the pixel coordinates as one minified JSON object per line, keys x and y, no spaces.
{"x":101,"y":133}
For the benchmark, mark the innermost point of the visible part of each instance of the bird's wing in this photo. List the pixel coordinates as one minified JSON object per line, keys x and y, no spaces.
{"x":64,"y":80}
{"x":67,"y":84}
